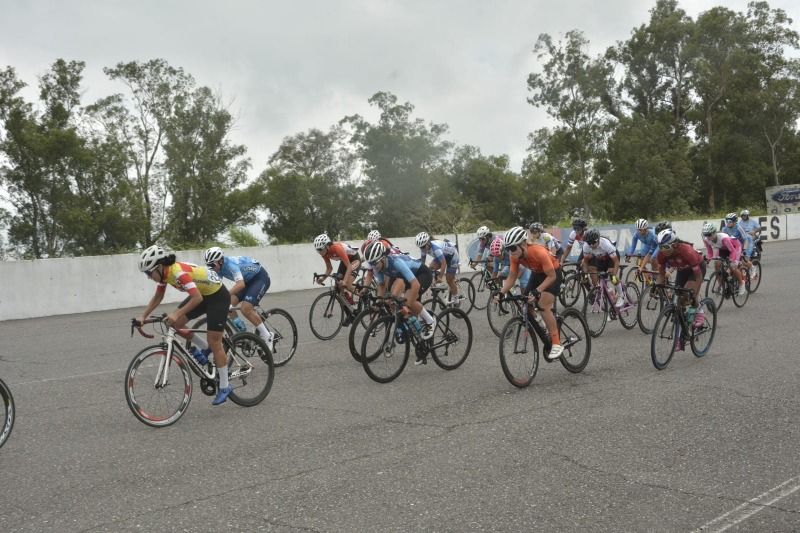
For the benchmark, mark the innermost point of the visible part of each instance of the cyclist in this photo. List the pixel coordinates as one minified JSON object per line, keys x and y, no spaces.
{"x":733,"y":229}
{"x":444,"y":262}
{"x":402,"y":274}
{"x":485,"y":237}
{"x":250,"y":283}
{"x":207,"y":296}
{"x":543,"y":285}
{"x":578,"y":230}
{"x":647,"y":237}
{"x":502,"y":262}
{"x":723,"y":245}
{"x":338,"y":251}
{"x":753,"y":228}
{"x":539,"y":236}
{"x":689,"y":264}
{"x":601,"y":255}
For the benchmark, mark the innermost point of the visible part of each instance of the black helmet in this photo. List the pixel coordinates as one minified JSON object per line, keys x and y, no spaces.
{"x":591,"y":236}
{"x":579,"y":223}
{"x":661,"y":226}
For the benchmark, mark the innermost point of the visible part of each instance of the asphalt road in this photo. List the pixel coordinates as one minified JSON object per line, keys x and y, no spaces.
{"x":707,"y":443}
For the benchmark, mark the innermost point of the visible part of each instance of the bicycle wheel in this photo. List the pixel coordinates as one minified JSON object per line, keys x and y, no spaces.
{"x":665,"y":337}
{"x":519,"y":353}
{"x":357,"y":331}
{"x":7,"y":412}
{"x":575,"y":339}
{"x":284,"y":334}
{"x":251,"y":369}
{"x":499,"y":313}
{"x":596,"y":312}
{"x":755,"y":279}
{"x":326,"y":316}
{"x":382,"y":356}
{"x":714,"y":291}
{"x":703,"y":335}
{"x":628,"y":314}
{"x":740,"y":300}
{"x":151,"y":403}
{"x":201,"y":324}
{"x":452,"y":339}
{"x":648,"y":311}
{"x":630,"y":272}
{"x":482,"y":291}
{"x":467,"y":292}
{"x":571,"y":291}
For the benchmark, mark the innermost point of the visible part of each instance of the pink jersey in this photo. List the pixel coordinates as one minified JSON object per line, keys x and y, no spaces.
{"x":724,"y":242}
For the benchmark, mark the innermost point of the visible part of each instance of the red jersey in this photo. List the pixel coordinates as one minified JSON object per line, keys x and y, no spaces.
{"x":683,"y":257}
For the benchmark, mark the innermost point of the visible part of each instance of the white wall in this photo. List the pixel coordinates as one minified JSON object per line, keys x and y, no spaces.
{"x":44,"y":287}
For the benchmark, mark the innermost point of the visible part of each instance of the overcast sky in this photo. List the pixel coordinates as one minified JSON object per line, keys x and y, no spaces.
{"x":295,"y":65}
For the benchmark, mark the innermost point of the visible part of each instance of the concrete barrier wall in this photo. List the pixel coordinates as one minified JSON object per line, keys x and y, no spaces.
{"x":45,"y":287}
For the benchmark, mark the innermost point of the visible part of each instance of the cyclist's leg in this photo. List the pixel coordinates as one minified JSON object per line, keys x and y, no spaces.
{"x":217,"y":305}
{"x":546,"y":302}
{"x":254,"y":291}
{"x":198,"y":311}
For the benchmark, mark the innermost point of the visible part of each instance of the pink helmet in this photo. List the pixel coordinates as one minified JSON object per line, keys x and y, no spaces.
{"x":496,"y":248}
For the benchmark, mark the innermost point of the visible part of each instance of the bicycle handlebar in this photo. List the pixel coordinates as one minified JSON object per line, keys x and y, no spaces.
{"x":135,"y":324}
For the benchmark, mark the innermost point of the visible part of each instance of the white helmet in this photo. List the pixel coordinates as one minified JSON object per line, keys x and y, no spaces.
{"x":151,"y":257}
{"x":515,"y":235}
{"x":421,"y":239}
{"x":483,"y":231}
{"x":667,"y":237}
{"x":642,"y":224}
{"x":213,"y":255}
{"x":374,"y":251}
{"x":321,"y":241}
{"x":709,"y":227}
{"x":744,"y":213}
{"x":374,"y":235}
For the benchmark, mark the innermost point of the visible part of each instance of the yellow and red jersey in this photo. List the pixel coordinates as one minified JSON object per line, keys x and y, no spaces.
{"x":188,"y":277}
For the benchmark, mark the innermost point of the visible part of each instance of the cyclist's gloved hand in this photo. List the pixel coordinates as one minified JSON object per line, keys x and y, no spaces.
{"x":614,"y":279}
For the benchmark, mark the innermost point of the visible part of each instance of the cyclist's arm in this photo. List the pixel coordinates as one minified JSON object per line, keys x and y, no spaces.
{"x":632,"y":249}
{"x":155,"y":301}
{"x":238,"y":279}
{"x":512,"y":277}
{"x":195,"y":298}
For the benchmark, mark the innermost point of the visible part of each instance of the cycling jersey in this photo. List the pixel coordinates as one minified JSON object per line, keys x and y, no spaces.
{"x":441,"y":251}
{"x":573,"y":236}
{"x":188,"y":277}
{"x":724,"y":243}
{"x":750,"y":226}
{"x":743,"y":237}
{"x":683,"y":257}
{"x":502,"y":267}
{"x":339,"y":251}
{"x":239,"y":268}
{"x":546,"y":240}
{"x":650,"y":244}
{"x":392,"y":250}
{"x":605,"y":250}
{"x":537,"y":259}
{"x":398,"y":266}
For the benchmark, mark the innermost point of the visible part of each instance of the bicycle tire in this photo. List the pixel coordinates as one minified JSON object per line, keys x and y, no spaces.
{"x":755,"y":281}
{"x":596,"y":311}
{"x":200,"y":324}
{"x":665,"y":336}
{"x":284,"y":334}
{"x":630,"y":273}
{"x":326,"y":316}
{"x":482,"y":291}
{"x":357,"y":331}
{"x":711,"y":284}
{"x":499,"y":313}
{"x":175,"y":397}
{"x":447,"y":346}
{"x":630,"y":317}
{"x":258,"y":382}
{"x":384,"y":359}
{"x":467,"y":292}
{"x":571,"y":290}
{"x":740,"y":299}
{"x":647,"y":312}
{"x":519,"y":353}
{"x":576,"y":340}
{"x":706,"y":331}
{"x":8,"y":411}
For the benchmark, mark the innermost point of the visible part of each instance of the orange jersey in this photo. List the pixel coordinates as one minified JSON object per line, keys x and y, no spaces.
{"x":188,"y":277}
{"x":339,"y":252}
{"x":537,"y":258}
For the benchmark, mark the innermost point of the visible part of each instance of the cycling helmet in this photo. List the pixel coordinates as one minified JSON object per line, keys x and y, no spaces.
{"x":667,"y":236}
{"x":483,"y":231}
{"x":374,"y":251}
{"x":514,"y":236}
{"x":642,"y":224}
{"x":536,"y":227}
{"x":709,"y":227}
{"x":213,"y":255}
{"x":731,"y":217}
{"x":579,"y":223}
{"x":421,"y":239}
{"x":321,"y":241}
{"x":661,"y":226}
{"x":744,"y":213}
{"x":151,"y":257}
{"x":496,"y":248}
{"x":374,"y":235}
{"x":591,"y":236}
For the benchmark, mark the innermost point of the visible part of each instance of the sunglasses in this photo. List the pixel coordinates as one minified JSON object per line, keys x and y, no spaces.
{"x":512,"y":248}
{"x":707,"y":234}
{"x":577,"y":228}
{"x":665,"y":247}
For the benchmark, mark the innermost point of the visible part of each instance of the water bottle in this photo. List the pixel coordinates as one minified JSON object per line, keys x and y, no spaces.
{"x":540,"y":320}
{"x":238,"y":323}
{"x":415,"y":323}
{"x":690,"y":312}
{"x":401,"y":338}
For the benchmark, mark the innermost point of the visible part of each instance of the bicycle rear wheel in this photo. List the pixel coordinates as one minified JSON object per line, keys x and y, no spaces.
{"x":7,"y":412}
{"x":326,"y":316}
{"x":251,"y":369}
{"x":648,"y":311}
{"x":482,"y":291}
{"x":452,"y":339}
{"x":499,"y":313}
{"x":519,"y":353}
{"x":714,"y":291}
{"x":628,"y":314}
{"x":284,"y":334}
{"x":467,"y":292}
{"x":575,"y":339}
{"x":703,"y":335}
{"x":201,"y":324}
{"x":571,"y":290}
{"x":665,"y":337}
{"x":755,"y":279}
{"x":596,"y":311}
{"x":149,"y":402}
{"x":382,"y":356}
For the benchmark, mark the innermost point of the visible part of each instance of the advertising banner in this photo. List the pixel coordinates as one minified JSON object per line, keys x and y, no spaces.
{"x":783,"y":199}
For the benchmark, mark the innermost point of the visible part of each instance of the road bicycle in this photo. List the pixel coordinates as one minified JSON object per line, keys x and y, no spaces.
{"x":333,"y":309}
{"x":519,"y":349}
{"x":574,"y":286}
{"x":158,"y":381}
{"x":484,"y":284}
{"x":675,"y":327}
{"x":730,"y":285}
{"x":755,"y":259}
{"x":277,"y":321}
{"x":600,"y":304}
{"x":387,"y":342}
{"x":8,"y":412}
{"x":370,"y":310}
{"x":651,"y":303}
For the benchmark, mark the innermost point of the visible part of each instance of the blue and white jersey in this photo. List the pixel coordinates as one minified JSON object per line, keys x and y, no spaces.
{"x":739,"y":233}
{"x":398,"y":266}
{"x":750,"y":226}
{"x":237,"y":268}
{"x":649,"y":242}
{"x":441,"y":251}
{"x":502,"y":262}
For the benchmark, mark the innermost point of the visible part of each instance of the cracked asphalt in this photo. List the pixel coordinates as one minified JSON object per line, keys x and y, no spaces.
{"x":620,"y":447}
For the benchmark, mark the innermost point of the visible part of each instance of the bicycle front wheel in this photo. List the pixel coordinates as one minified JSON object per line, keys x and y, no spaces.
{"x":7,"y":412}
{"x":740,"y":299}
{"x":571,"y":290}
{"x":648,"y":311}
{"x":452,"y":339}
{"x":666,"y":334}
{"x":357,"y":331}
{"x":151,"y":402}
{"x":251,"y":369}
{"x":284,"y":334}
{"x":519,"y":353}
{"x":714,"y":290}
{"x":383,"y":355}
{"x":703,"y":335}
{"x":499,"y":313}
{"x":482,"y":291}
{"x":466,"y":291}
{"x":596,"y":312}
{"x":326,"y":316}
{"x":575,"y":338}
{"x":628,"y":314}
{"x":755,"y":279}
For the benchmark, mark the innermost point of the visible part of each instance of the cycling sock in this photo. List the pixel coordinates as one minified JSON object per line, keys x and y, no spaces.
{"x":426,"y":316}
{"x":262,"y":330}
{"x":555,"y":338}
{"x":198,"y":341}
{"x":223,"y":377}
